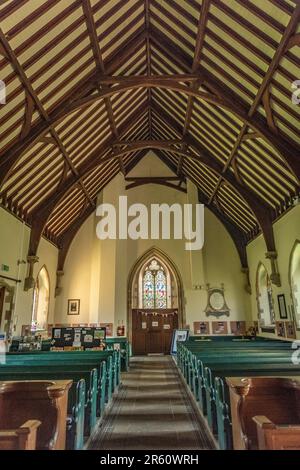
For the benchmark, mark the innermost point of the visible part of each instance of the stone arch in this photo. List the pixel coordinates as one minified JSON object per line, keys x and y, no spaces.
{"x":294,"y":271}
{"x":6,"y":315}
{"x":41,"y":300}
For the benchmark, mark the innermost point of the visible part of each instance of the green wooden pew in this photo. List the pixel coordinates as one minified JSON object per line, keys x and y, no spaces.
{"x":80,"y":401}
{"x":94,"y":358}
{"x":113,"y":371}
{"x":229,"y":338}
{"x":204,"y":368}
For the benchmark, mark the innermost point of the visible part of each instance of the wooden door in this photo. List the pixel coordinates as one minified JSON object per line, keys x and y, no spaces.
{"x":152,"y":331}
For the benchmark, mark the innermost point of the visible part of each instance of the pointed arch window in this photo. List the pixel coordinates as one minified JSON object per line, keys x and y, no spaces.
{"x":154,"y":286}
{"x":295,"y":282}
{"x":264,"y":294}
{"x":41,"y":296}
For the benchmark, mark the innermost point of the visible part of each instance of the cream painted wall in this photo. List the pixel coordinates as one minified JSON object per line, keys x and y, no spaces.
{"x":97,"y":271}
{"x":286,"y":232}
{"x":14,"y":239}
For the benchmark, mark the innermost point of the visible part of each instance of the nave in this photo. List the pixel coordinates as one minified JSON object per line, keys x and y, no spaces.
{"x":152,"y":410}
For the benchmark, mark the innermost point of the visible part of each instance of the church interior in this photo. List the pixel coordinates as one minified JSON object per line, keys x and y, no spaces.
{"x":118,"y":342}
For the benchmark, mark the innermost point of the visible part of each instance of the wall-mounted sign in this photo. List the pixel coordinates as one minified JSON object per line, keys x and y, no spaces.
{"x":4,"y":267}
{"x":167,"y":327}
{"x":144,"y":325}
{"x":155,"y":323}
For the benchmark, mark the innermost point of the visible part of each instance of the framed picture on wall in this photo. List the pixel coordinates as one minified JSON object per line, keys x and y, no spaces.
{"x":201,"y":328}
{"x":73,"y":306}
{"x":280,"y":328}
{"x":282,"y":307}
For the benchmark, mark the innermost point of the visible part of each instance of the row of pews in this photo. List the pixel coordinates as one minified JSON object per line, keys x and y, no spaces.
{"x":54,"y":399}
{"x":248,"y":390}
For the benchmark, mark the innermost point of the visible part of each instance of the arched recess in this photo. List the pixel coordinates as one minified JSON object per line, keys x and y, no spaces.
{"x":7,"y":295}
{"x":294,"y":280}
{"x":264,"y":297}
{"x":166,"y":261}
{"x":41,"y":301}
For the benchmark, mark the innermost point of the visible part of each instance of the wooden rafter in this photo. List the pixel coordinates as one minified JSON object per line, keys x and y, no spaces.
{"x":43,"y":212}
{"x":149,"y":37}
{"x":32,"y":97}
{"x":168,"y":181}
{"x":261,"y":211}
{"x":87,"y":8}
{"x":202,"y":23}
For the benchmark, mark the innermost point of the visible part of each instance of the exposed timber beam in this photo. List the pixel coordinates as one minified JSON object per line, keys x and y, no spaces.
{"x":168,"y":181}
{"x":34,"y":101}
{"x":263,"y":93}
{"x":238,"y":237}
{"x":43,"y":212}
{"x":87,"y":9}
{"x":288,"y":152}
{"x":260,"y":210}
{"x":202,"y":23}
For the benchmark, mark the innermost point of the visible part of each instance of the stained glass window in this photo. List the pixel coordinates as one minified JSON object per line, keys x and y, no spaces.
{"x":154,"y":286}
{"x":160,"y":290}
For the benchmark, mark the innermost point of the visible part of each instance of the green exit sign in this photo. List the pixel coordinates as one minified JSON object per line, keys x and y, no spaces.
{"x":4,"y":267}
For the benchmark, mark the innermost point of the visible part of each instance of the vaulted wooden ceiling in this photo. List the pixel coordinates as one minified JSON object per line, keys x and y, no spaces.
{"x":92,"y":84}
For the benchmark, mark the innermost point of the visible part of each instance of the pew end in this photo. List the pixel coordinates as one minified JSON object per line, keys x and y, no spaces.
{"x":22,"y":438}
{"x":273,"y":437}
{"x":41,"y":400}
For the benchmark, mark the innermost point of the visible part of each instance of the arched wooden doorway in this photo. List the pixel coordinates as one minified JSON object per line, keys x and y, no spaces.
{"x":155,"y":303}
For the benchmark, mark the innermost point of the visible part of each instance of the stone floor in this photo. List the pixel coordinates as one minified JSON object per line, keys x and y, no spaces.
{"x":152,"y":410}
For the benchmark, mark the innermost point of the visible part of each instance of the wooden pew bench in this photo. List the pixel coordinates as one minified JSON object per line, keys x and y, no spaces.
{"x":205,"y":376}
{"x":262,"y":408}
{"x":217,"y":394}
{"x":276,"y":437}
{"x":88,"y":394}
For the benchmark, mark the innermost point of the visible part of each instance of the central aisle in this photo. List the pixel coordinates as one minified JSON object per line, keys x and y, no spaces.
{"x":153,"y":411}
